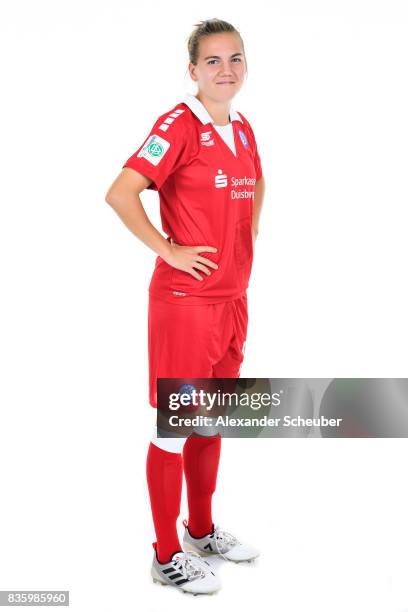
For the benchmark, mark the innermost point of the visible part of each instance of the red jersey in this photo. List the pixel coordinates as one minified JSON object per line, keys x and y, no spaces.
{"x":206,"y":198}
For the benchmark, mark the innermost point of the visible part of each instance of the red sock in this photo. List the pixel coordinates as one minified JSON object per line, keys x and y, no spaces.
{"x":201,"y":457}
{"x":164,"y":472}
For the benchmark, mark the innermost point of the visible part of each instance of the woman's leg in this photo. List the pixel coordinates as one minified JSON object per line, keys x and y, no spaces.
{"x":201,"y":454}
{"x":201,"y":457}
{"x":178,"y":337}
{"x":164,"y":471}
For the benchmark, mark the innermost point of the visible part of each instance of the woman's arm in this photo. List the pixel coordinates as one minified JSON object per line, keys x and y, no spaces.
{"x":258,"y":201}
{"x":124,"y":197}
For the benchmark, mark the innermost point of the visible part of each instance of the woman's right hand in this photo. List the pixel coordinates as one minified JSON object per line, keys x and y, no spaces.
{"x":187,"y":258}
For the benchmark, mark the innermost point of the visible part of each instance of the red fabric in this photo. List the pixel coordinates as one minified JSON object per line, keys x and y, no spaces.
{"x":201,"y":457}
{"x":204,"y":341}
{"x":164,"y":472}
{"x":206,"y":199}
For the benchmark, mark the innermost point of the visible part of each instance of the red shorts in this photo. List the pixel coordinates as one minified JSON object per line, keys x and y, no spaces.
{"x":195,"y":341}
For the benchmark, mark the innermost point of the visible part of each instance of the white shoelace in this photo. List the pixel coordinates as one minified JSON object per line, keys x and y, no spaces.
{"x":191,"y":565}
{"x":224,"y":541}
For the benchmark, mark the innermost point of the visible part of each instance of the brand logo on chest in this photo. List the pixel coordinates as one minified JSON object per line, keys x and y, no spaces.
{"x":206,"y":139}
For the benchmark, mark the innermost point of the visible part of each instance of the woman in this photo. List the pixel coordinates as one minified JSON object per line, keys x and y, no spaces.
{"x":202,"y":158}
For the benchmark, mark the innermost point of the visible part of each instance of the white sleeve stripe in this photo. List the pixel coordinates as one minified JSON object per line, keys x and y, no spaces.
{"x":169,"y":119}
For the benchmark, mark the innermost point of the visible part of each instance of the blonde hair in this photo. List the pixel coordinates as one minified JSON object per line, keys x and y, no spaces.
{"x":206,"y":28}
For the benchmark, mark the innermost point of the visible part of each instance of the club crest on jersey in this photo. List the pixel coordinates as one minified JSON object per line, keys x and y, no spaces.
{"x":206,"y":139}
{"x":243,"y":138}
{"x":154,"y":149}
{"x":221,"y":180}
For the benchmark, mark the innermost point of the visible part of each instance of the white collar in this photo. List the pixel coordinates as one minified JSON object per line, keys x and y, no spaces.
{"x":201,"y":112}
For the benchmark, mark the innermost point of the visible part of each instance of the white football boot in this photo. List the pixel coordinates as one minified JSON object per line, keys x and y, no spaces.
{"x":186,"y":571}
{"x":219,"y":542}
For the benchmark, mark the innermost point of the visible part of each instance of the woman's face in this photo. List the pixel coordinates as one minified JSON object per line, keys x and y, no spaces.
{"x":221,"y":66}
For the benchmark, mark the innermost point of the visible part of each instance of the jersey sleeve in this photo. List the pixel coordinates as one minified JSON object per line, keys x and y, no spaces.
{"x":163,"y":151}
